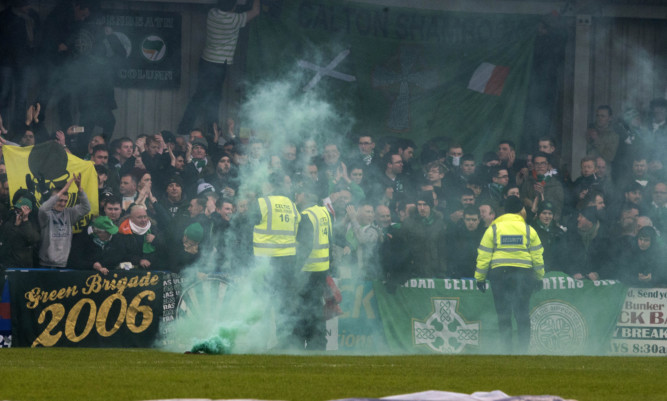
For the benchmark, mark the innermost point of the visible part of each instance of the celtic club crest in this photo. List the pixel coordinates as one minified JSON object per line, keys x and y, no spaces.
{"x":445,"y":330}
{"x":557,"y":328}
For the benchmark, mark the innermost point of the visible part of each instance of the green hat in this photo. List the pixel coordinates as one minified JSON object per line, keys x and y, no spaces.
{"x":195,"y":232}
{"x":23,"y":202}
{"x":105,"y":223}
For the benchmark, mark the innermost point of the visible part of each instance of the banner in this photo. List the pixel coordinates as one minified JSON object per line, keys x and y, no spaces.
{"x":641,"y":328}
{"x":452,"y":316}
{"x":78,"y":308}
{"x":50,"y":162}
{"x":574,"y":317}
{"x":359,"y":327}
{"x":438,"y":316}
{"x":424,"y":316}
{"x":407,"y":72}
{"x":149,"y":44}
{"x":5,"y":315}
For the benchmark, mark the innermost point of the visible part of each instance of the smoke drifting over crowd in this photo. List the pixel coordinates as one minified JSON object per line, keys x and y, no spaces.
{"x":242,"y":314}
{"x":235,"y":309}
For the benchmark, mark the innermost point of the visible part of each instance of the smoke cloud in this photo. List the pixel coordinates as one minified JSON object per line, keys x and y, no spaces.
{"x":233,"y":308}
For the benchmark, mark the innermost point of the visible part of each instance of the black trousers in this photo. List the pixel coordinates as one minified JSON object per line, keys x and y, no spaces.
{"x":512,"y":288}
{"x":311,"y":325}
{"x":207,"y":97}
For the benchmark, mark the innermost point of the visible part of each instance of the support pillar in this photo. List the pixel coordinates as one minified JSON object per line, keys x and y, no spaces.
{"x":581,"y":94}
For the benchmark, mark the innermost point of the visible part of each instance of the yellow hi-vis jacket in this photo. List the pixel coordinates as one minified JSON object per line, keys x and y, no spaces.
{"x":275,"y":235}
{"x":510,"y":241}
{"x":318,"y":260}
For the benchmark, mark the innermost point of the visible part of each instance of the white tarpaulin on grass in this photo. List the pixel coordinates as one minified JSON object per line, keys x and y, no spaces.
{"x":430,"y":395}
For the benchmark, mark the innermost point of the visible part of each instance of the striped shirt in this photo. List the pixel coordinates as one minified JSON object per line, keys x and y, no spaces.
{"x":222,"y":34}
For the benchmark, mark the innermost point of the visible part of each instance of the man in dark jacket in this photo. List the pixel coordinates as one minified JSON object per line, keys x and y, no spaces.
{"x":94,"y":248}
{"x":462,"y":242}
{"x":19,"y":237}
{"x":423,"y":234}
{"x":587,"y":247}
{"x":189,"y":252}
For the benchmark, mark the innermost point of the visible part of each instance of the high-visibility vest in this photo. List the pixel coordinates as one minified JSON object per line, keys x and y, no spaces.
{"x":275,"y":235}
{"x":318,"y":260}
{"x":510,"y":241}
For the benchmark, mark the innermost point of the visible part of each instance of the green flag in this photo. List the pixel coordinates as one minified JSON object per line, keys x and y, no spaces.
{"x":413,"y":73}
{"x":574,"y":317}
{"x":450,"y":316}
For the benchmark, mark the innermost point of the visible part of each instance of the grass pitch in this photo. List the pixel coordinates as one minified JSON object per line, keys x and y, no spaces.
{"x":122,"y":374}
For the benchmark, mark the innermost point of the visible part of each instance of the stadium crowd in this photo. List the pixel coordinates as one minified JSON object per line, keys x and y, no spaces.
{"x":399,"y":210}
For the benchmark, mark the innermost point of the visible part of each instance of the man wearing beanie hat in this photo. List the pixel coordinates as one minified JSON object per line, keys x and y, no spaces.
{"x":93,"y":249}
{"x":193,"y":235}
{"x":588,"y":246}
{"x":510,"y":254}
{"x":550,"y":233}
{"x":189,"y":251}
{"x":18,"y":237}
{"x":200,"y":165}
{"x":175,"y":201}
{"x":225,"y":179}
{"x":423,"y":233}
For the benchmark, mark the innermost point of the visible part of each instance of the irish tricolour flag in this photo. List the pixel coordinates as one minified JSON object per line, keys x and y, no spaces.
{"x":489,"y":78}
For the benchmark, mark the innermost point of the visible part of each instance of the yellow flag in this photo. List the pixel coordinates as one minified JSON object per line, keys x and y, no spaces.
{"x":49,"y":161}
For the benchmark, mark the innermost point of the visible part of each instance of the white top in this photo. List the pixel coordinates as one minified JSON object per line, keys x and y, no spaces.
{"x":222,"y":34}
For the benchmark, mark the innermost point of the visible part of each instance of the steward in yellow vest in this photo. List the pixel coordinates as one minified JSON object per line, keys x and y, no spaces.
{"x":275,"y":234}
{"x":275,"y":219}
{"x":319,"y":257}
{"x":510,"y":255}
{"x":314,"y":256}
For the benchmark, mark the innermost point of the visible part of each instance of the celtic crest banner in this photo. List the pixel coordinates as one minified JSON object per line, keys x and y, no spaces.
{"x":451,"y":316}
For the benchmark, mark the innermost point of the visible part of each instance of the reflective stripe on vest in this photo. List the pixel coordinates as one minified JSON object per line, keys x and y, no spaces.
{"x":275,"y":235}
{"x":522,"y":259}
{"x":318,"y":260}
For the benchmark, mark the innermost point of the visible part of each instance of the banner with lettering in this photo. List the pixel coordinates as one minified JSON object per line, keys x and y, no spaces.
{"x":450,"y":316}
{"x":85,"y":309}
{"x":438,"y":316}
{"x":642,"y":324}
{"x":359,"y":327}
{"x":574,"y":317}
{"x":402,"y":71}
{"x":48,"y":161}
{"x":143,"y":47}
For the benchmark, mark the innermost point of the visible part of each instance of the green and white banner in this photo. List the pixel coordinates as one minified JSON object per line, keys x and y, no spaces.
{"x":407,"y":72}
{"x":451,"y":316}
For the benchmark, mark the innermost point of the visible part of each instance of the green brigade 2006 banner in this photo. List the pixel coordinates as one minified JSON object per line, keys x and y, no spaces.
{"x":48,"y":162}
{"x":414,"y":73}
{"x":79,"y":308}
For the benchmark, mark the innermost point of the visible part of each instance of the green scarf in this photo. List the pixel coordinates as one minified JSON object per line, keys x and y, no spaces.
{"x":148,"y":247}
